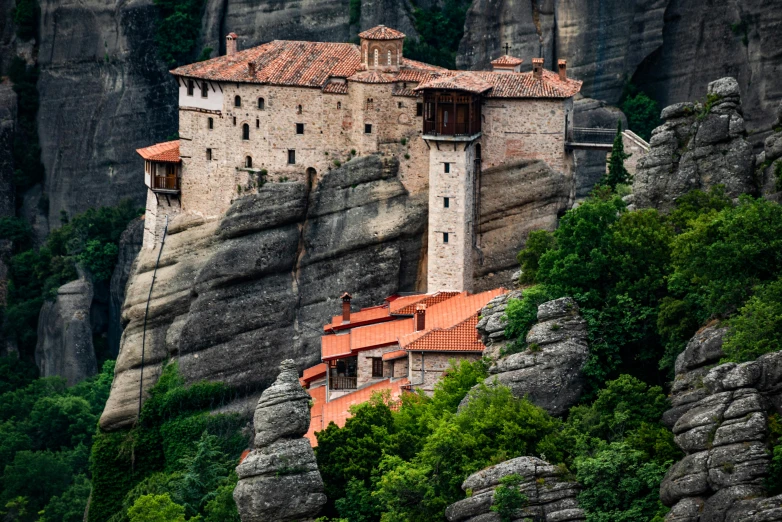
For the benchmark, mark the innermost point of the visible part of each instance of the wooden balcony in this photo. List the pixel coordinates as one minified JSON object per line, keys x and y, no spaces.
{"x":165,"y":184}
{"x":451,"y":115}
{"x":341,"y":382}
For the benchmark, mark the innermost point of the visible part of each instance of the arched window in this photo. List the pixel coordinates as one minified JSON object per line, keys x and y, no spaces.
{"x":210,"y":123}
{"x":339,"y":105}
{"x":237,"y":101}
{"x":245,"y":132}
{"x":248,"y":162}
{"x":261,"y":104}
{"x":377,"y":57}
{"x":298,"y":109}
{"x":389,"y":57}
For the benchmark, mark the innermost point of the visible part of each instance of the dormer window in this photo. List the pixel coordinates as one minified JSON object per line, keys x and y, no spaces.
{"x":237,"y":101}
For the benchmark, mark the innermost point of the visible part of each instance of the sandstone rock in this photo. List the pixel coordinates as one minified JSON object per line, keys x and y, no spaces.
{"x":548,"y":372}
{"x":279,"y":480}
{"x":129,"y":247}
{"x":698,"y":150}
{"x":65,"y":335}
{"x":551,"y":499}
{"x":235,"y":297}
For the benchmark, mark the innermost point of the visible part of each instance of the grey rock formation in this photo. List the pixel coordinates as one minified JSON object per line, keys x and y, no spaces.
{"x":103,"y":94}
{"x":235,"y":297}
{"x":129,"y":247}
{"x":719,"y":418}
{"x":492,"y":324}
{"x":769,"y":162}
{"x":7,"y":131}
{"x":697,"y":147}
{"x":65,"y":334}
{"x":551,"y":498}
{"x":279,"y":479}
{"x":548,"y":371}
{"x":516,"y":199}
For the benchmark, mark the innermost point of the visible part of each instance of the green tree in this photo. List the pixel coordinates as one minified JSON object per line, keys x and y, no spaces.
{"x":757,"y":328}
{"x":202,"y":472}
{"x":617,"y":173}
{"x":70,"y":506}
{"x":61,"y":422}
{"x":508,"y":500}
{"x":156,"y":508}
{"x":222,"y":507}
{"x":26,"y":15}
{"x":643,"y":113}
{"x":538,"y":243}
{"x":37,"y":476}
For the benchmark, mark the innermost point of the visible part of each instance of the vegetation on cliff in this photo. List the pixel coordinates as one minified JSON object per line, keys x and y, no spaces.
{"x":440,"y":30}
{"x":178,"y":30}
{"x":26,"y":150}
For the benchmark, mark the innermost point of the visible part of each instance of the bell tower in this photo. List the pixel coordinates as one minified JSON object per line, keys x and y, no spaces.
{"x":381,"y":48}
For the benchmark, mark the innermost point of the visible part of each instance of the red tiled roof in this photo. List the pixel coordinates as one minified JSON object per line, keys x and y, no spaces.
{"x":281,"y":62}
{"x":524,"y":85}
{"x":507,"y":60}
{"x":167,"y":152}
{"x":336,"y":88}
{"x":460,"y":338}
{"x":379,"y":334}
{"x":362,"y":317}
{"x":372,"y":77}
{"x":396,"y":354}
{"x":313,"y":372}
{"x":381,"y":32}
{"x":407,"y":307}
{"x":465,"y":81}
{"x":334,"y":346}
{"x":322,"y":413}
{"x":415,"y":64}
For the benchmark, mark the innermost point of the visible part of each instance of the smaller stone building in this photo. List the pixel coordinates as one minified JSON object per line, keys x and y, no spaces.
{"x":406,"y":343}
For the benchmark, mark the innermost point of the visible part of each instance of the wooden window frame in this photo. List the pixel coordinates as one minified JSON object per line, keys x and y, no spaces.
{"x":377,"y":367}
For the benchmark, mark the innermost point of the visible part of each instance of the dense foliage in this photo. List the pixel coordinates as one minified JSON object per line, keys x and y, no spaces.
{"x":26,"y":16}
{"x":178,"y":29}
{"x":28,"y":169}
{"x":46,"y":430}
{"x":407,"y":463}
{"x":177,"y":450}
{"x":643,"y":113}
{"x":617,"y":174}
{"x":440,"y":27}
{"x":35,"y":274}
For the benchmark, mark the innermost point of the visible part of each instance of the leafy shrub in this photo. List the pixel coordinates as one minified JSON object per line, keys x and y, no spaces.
{"x":538,"y":243}
{"x":757,"y":328}
{"x":178,"y":29}
{"x":508,"y":500}
{"x":440,"y":28}
{"x":156,"y":508}
{"x":643,"y":113}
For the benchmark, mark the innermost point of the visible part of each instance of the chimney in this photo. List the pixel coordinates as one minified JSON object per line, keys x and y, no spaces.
{"x":562,"y":64}
{"x":230,"y":44}
{"x":537,"y":68}
{"x":420,"y":317}
{"x":251,"y":69}
{"x":346,"y":297}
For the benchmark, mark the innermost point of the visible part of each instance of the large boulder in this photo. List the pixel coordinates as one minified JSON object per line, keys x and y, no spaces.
{"x":64,"y":345}
{"x":279,"y":479}
{"x":551,"y":498}
{"x":548,"y":371}
{"x":698,"y":146}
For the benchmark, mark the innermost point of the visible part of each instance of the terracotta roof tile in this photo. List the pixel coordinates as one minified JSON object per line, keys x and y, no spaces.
{"x":396,"y":354}
{"x":524,"y":85}
{"x":406,"y":92}
{"x":379,"y":334}
{"x":507,"y":60}
{"x":381,"y":32}
{"x":360,"y":318}
{"x":167,"y":152}
{"x":336,"y":88}
{"x":407,"y":307}
{"x":372,"y":77}
{"x":415,"y":64}
{"x":465,"y":81}
{"x":460,"y":338}
{"x":314,"y":372}
{"x":334,"y":346}
{"x":322,"y":412}
{"x":281,"y":62}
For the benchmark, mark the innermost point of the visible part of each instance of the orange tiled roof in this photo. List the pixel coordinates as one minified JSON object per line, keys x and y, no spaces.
{"x":460,"y":338}
{"x":507,"y":60}
{"x":396,"y":354}
{"x":372,"y":77}
{"x":313,"y":372}
{"x":363,"y":316}
{"x":322,"y":412}
{"x":167,"y":152}
{"x":407,"y":307}
{"x":524,"y":85}
{"x":336,"y":88}
{"x":281,"y":62}
{"x":334,"y":346}
{"x":465,"y":81}
{"x":379,"y":334}
{"x":381,"y":32}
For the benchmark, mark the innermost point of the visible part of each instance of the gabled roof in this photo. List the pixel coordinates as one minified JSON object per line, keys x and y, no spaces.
{"x":406,"y":305}
{"x":460,"y":338}
{"x":465,"y":81}
{"x":507,"y":60}
{"x":166,"y":152}
{"x":381,"y":32}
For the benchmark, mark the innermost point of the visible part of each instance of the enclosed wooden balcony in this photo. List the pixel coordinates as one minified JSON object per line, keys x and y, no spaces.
{"x":451,"y":114}
{"x":162,"y":167}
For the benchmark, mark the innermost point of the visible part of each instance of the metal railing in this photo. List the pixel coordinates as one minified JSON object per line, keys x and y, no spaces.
{"x":340,"y":382}
{"x":590,"y":135}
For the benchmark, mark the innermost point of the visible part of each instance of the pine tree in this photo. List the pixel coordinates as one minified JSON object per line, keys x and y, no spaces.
{"x":617,"y":173}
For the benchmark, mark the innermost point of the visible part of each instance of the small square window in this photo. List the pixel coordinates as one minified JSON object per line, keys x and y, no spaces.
{"x":419,"y":109}
{"x":447,"y":167}
{"x":398,"y":105}
{"x":446,"y":202}
{"x":367,"y":128}
{"x":299,"y":128}
{"x":208,"y":154}
{"x":291,"y":157}
{"x":445,"y":237}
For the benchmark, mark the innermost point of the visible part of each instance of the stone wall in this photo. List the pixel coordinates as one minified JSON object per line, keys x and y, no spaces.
{"x":435,"y":363}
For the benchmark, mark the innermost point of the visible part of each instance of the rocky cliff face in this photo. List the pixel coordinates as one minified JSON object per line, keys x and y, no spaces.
{"x":720,"y":420}
{"x":235,"y":297}
{"x":700,"y":145}
{"x":548,"y":371}
{"x":129,"y":247}
{"x":769,"y":162}
{"x":279,"y":480}
{"x":65,"y":334}
{"x":550,"y":497}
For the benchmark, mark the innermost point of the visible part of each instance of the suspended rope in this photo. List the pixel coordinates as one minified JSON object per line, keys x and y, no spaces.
{"x":146,"y":313}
